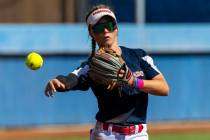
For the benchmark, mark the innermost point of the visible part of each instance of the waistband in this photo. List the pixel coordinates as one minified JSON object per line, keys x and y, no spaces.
{"x":124,"y":130}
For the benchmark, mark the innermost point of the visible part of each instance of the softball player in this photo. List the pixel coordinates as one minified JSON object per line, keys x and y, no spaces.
{"x":119,"y":117}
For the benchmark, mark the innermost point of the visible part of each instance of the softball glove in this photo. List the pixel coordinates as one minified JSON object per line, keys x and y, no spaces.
{"x":106,"y":67}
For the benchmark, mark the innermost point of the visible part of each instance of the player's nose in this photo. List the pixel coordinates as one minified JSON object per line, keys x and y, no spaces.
{"x":106,"y":30}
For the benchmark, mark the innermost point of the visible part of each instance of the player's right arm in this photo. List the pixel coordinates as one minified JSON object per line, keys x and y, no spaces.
{"x":76,"y":80}
{"x":61,"y":83}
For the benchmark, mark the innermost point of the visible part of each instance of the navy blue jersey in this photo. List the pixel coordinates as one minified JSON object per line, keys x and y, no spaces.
{"x":130,"y":106}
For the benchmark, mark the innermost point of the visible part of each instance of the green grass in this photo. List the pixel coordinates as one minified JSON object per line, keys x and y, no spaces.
{"x":53,"y":138}
{"x":181,"y":136}
{"x":174,"y":136}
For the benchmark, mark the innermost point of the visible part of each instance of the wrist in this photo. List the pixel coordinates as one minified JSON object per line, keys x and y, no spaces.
{"x":138,"y":84}
{"x":131,"y":82}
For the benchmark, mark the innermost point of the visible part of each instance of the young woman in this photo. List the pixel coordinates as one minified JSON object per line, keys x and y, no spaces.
{"x":119,"y":117}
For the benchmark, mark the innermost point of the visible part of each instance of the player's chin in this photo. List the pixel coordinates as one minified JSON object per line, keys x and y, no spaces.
{"x":107,"y":43}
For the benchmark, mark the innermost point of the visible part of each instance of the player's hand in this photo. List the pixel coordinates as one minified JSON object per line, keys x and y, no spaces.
{"x":51,"y":87}
{"x":121,"y":74}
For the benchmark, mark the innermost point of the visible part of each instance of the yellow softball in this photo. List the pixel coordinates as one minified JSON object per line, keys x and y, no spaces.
{"x":34,"y":61}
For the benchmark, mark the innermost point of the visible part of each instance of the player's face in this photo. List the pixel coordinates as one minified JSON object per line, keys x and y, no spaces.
{"x":105,"y":32}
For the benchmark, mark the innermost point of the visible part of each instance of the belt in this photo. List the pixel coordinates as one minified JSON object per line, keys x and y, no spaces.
{"x":125,"y":130}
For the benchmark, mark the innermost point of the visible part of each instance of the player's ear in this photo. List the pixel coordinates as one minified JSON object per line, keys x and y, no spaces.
{"x":117,"y":30}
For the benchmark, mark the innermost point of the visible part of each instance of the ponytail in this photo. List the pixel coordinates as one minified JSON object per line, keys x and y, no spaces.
{"x":93,"y":47}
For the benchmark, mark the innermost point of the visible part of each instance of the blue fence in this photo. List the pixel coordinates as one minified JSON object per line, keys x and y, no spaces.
{"x":22,"y":99}
{"x":74,"y":38}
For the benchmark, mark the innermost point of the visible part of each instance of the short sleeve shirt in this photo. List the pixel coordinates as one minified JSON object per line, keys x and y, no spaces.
{"x":126,"y":106}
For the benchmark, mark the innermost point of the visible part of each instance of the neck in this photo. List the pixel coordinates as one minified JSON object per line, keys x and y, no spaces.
{"x":114,"y":47}
{"x":117,"y":49}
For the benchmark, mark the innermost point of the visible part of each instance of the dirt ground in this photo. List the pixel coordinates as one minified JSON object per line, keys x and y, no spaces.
{"x":83,"y":130}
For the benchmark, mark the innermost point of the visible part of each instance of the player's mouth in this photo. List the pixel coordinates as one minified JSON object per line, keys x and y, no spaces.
{"x":107,"y":38}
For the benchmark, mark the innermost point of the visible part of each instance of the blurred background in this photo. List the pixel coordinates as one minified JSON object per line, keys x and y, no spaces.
{"x":175,"y":33}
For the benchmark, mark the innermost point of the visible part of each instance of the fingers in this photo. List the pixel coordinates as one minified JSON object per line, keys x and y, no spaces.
{"x":51,"y":87}
{"x":61,"y":86}
{"x":121,"y":73}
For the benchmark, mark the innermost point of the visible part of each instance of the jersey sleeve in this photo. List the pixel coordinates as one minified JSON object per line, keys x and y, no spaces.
{"x":82,"y":75}
{"x":150,"y":69}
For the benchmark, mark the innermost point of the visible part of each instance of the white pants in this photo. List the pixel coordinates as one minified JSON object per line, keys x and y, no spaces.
{"x":98,"y":133}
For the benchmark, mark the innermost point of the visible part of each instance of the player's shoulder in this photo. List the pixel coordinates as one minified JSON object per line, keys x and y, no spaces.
{"x":137,"y":51}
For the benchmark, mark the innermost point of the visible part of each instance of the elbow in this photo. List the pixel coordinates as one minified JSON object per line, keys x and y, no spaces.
{"x":165,"y":91}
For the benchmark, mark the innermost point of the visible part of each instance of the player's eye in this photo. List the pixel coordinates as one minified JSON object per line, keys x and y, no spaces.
{"x":99,"y":28}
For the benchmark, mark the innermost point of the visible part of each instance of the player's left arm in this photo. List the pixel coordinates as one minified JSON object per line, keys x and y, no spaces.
{"x":156,"y":86}
{"x":155,"y":82}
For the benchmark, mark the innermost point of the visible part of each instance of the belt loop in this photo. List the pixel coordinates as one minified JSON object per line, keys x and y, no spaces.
{"x":136,"y":129}
{"x":110,"y":128}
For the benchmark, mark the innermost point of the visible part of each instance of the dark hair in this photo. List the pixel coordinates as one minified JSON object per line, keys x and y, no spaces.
{"x":93,"y":42}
